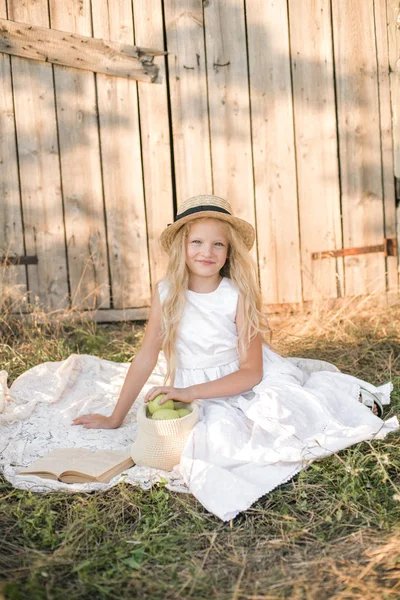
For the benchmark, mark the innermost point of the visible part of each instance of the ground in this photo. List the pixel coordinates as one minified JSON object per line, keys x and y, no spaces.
{"x":332,"y":532}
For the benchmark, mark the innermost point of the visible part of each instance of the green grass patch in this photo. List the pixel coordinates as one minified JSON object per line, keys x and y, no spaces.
{"x":331,"y":532}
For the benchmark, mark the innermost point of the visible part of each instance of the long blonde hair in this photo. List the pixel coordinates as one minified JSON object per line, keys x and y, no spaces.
{"x":239,"y":267}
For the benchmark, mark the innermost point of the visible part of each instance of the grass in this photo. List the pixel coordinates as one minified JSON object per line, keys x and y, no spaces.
{"x":332,"y":532}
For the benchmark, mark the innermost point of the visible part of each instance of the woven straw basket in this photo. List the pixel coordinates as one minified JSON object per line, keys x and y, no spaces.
{"x":159,"y":444}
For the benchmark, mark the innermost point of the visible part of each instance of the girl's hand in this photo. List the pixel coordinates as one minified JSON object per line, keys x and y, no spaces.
{"x":96,"y":421}
{"x":171,"y":393}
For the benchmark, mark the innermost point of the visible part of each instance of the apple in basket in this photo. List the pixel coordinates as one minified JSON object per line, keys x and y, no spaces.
{"x":182,"y":412}
{"x":155,"y":405}
{"x":166,"y":411}
{"x":165,"y":414}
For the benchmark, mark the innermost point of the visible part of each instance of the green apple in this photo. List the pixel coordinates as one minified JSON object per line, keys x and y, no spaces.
{"x":182,"y":412}
{"x":165,"y":414}
{"x":155,"y":405}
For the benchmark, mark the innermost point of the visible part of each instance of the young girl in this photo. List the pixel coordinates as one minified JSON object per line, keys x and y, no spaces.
{"x":262,"y":416}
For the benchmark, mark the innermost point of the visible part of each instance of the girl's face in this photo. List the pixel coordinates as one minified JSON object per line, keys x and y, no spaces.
{"x":206,"y":247}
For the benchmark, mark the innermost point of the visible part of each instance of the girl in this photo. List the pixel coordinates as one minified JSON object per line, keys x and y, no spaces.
{"x":262,"y":415}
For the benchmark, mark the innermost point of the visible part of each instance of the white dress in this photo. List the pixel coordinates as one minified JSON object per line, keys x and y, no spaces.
{"x":246,"y":445}
{"x":243,"y":446}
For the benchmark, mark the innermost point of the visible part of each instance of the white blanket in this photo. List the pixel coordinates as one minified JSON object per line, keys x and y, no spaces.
{"x":36,"y":416}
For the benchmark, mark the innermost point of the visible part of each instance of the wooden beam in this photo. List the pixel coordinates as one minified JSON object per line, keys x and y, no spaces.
{"x":99,"y":316}
{"x":78,"y":51}
{"x":142,"y":313}
{"x":356,"y":303}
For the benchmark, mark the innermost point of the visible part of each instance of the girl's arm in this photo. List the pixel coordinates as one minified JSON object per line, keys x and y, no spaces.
{"x":138,"y":373}
{"x":243,"y":380}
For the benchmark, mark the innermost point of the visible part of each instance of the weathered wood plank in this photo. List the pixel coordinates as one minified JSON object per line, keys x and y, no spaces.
{"x":141,"y":314}
{"x":12,"y":279}
{"x":188,"y":91}
{"x":393,"y":22}
{"x":122,"y":167}
{"x":316,"y":145}
{"x":99,"y":316}
{"x":78,"y":51}
{"x":127,"y":314}
{"x":156,"y":148}
{"x":274,"y":153}
{"x":342,"y":305}
{"x":386,"y":137}
{"x":39,"y":167}
{"x":80,"y":168}
{"x":359,"y":143}
{"x":229,"y":105}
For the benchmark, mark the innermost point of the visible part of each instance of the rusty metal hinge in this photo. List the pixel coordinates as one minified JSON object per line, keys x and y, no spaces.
{"x":389,"y":248}
{"x":6,"y":261}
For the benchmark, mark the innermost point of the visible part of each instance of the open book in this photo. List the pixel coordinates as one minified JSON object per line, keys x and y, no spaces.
{"x":79,"y":465}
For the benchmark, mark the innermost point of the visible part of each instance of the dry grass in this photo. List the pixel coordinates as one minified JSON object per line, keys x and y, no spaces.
{"x":332,"y":532}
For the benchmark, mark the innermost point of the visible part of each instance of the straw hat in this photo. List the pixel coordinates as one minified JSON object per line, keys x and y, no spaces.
{"x":206,"y":206}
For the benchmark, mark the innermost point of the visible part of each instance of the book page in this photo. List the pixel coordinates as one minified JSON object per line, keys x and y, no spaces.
{"x":98,"y":462}
{"x":80,"y":460}
{"x":105,"y":477}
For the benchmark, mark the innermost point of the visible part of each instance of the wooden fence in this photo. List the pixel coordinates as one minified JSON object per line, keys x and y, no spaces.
{"x":284,"y":107}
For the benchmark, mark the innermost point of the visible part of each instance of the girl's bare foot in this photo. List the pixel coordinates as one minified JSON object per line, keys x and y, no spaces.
{"x":371,"y":402}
